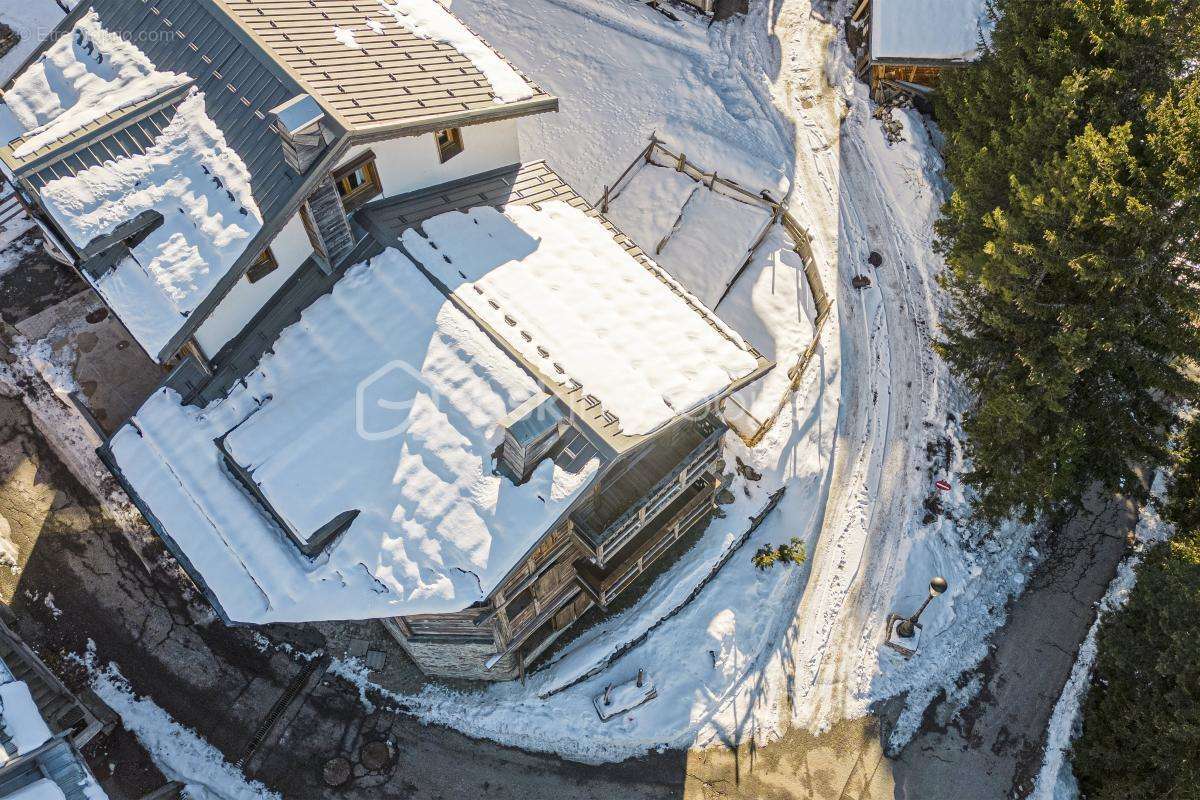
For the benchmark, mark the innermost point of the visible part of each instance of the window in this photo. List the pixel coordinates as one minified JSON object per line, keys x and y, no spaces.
{"x":263,"y":266}
{"x":358,"y":181}
{"x":449,"y":143}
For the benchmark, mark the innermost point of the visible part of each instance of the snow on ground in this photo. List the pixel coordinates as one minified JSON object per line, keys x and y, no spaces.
{"x":32,"y":20}
{"x":750,"y":97}
{"x":648,"y":206}
{"x":1055,"y":779}
{"x":89,"y":72}
{"x":399,"y":389}
{"x":584,"y":309}
{"x":179,"y":752}
{"x":712,"y":242}
{"x":201,"y":187}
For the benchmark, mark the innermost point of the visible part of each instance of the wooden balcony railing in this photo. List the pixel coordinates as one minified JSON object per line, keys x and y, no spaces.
{"x":626,"y":526}
{"x":670,"y":532}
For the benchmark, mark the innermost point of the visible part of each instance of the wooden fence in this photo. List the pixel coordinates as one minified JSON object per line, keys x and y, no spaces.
{"x":748,"y":427}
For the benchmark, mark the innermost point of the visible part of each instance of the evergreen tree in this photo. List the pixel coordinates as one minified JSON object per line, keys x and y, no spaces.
{"x":1072,"y":237}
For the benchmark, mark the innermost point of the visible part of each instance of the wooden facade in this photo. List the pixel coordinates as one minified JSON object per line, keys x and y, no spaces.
{"x":641,"y":506}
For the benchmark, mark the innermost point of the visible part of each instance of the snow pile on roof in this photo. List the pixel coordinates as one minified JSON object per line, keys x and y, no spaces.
{"x":384,"y":399}
{"x":563,"y":293}
{"x":43,"y":789}
{"x":21,"y":720}
{"x":201,"y":187}
{"x":87,"y":73}
{"x":944,"y":30}
{"x":427,"y":19}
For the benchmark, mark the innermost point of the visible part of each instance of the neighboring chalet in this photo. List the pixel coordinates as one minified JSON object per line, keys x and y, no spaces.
{"x":42,"y":727}
{"x":417,"y":379}
{"x":907,"y":43}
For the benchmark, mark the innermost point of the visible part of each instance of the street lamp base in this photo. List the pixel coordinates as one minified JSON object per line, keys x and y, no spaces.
{"x":907,"y":629}
{"x":905,"y":646}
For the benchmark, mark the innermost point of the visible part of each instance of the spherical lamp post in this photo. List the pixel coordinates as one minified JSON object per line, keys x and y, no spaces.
{"x":908,"y":628}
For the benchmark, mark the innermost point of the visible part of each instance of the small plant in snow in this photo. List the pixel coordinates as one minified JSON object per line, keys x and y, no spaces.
{"x":790,"y":553}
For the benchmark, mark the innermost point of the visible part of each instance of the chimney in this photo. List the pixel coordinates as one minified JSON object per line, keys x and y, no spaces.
{"x":299,"y":123}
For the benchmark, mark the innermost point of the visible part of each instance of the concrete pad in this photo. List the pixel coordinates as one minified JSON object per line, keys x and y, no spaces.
{"x":114,"y":376}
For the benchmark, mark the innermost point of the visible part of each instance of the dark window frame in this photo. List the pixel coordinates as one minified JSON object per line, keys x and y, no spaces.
{"x":264,"y":265}
{"x":371,"y":186}
{"x":451,"y":146}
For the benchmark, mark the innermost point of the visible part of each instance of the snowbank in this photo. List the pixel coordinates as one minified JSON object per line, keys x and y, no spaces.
{"x":562,"y":292}
{"x":178,"y":751}
{"x":928,"y":29}
{"x":87,"y":73}
{"x":427,"y":19}
{"x":384,"y":398}
{"x":201,"y":187}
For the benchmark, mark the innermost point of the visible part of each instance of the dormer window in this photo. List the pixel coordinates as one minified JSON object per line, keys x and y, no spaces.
{"x":358,"y":181}
{"x":263,"y":266}
{"x":449,"y":143}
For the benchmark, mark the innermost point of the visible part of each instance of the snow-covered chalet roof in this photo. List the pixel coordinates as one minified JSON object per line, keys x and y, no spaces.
{"x":199,"y":185}
{"x":383,"y":399}
{"x":555,"y":285}
{"x":927,"y":30}
{"x":133,"y":109}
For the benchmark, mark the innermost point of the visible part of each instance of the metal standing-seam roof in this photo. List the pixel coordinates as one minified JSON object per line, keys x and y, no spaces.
{"x":394,"y":79}
{"x":239,"y":86}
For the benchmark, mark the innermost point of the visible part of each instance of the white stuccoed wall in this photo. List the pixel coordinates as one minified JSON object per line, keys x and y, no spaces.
{"x":291,"y":247}
{"x":411,"y":163}
{"x":405,"y":165}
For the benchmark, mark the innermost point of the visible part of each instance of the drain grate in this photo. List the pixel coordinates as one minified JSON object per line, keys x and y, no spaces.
{"x":285,"y":699}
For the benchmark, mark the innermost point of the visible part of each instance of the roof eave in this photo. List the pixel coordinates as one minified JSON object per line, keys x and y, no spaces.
{"x":109,"y":460}
{"x":362,"y":134}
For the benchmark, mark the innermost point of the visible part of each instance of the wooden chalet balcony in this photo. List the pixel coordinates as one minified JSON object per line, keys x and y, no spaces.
{"x":689,"y":507}
{"x":536,"y":613}
{"x":614,"y":537}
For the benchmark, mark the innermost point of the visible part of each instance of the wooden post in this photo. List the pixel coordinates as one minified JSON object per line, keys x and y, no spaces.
{"x":682,"y":162}
{"x":604,"y":202}
{"x":640,"y":678}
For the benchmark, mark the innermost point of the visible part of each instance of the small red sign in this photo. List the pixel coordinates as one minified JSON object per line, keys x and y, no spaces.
{"x":943,"y":485}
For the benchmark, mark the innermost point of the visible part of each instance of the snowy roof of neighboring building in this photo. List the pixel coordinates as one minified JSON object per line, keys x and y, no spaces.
{"x":138,"y":47}
{"x":927,"y":30}
{"x":49,"y":766}
{"x":392,"y":63}
{"x":23,"y":728}
{"x":201,"y":189}
{"x":384,"y":399}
